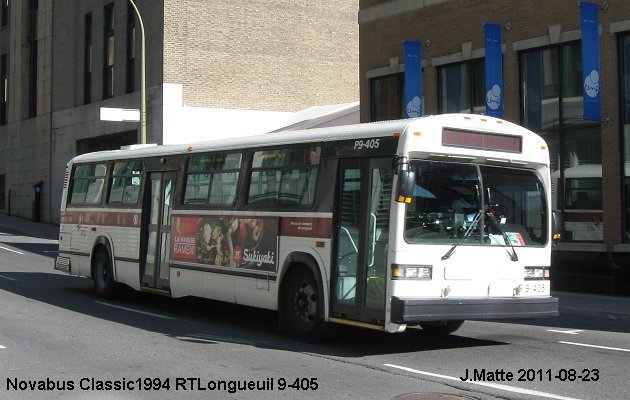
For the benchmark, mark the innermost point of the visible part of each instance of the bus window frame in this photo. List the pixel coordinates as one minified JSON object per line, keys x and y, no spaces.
{"x":282,"y":170}
{"x":207,"y":205}
{"x":110,"y":183}
{"x":73,"y":180}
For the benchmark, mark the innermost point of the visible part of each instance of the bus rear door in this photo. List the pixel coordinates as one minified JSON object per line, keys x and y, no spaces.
{"x":156,"y":230}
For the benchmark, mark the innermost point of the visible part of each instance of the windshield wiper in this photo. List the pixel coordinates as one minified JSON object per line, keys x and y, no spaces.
{"x":469,"y":231}
{"x":513,"y":256}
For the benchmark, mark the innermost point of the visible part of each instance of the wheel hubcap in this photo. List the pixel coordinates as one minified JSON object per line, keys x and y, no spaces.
{"x":305,"y":303}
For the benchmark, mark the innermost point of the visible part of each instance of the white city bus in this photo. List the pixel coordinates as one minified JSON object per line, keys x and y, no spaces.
{"x":384,"y":225}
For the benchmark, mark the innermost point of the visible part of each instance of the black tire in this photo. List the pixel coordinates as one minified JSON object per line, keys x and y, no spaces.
{"x":102,"y":274}
{"x":302,"y":307}
{"x":441,"y":328}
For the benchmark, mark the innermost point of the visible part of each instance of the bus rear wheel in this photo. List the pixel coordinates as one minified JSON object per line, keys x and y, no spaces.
{"x":302,"y":307}
{"x":441,"y":328}
{"x":102,"y":275}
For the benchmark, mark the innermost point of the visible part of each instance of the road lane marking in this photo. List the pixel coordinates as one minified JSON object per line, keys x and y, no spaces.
{"x":596,"y":346}
{"x":136,"y":311}
{"x":11,"y":250}
{"x":215,"y":339}
{"x":6,"y":277}
{"x":2,"y":347}
{"x":507,"y":388}
{"x":570,"y":332}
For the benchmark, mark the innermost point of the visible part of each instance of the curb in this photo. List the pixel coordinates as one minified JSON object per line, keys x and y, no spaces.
{"x":597,"y":313}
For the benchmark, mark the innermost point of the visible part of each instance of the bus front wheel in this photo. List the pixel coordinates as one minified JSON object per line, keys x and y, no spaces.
{"x":302,"y":305}
{"x":102,"y":274}
{"x":440,"y":328}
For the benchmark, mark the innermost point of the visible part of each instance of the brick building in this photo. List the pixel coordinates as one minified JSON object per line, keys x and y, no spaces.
{"x":208,"y":63}
{"x":542,"y":75}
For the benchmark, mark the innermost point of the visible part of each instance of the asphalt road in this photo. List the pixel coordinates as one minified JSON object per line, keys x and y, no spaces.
{"x":57,"y":340}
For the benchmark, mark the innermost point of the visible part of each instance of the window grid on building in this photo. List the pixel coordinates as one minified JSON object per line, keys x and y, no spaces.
{"x":4,"y":75}
{"x":4,"y":11}
{"x":552,"y":105}
{"x":131,"y":49}
{"x":109,"y":54}
{"x":624,"y":80}
{"x":386,"y":97}
{"x":461,"y":87}
{"x":87,"y":69}
{"x":32,"y":65}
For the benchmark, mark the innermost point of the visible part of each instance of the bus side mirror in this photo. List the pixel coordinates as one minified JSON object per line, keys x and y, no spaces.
{"x":406,"y":184}
{"x":556,"y":226}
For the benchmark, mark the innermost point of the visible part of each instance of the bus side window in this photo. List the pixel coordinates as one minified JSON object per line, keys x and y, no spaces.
{"x":284,"y":177}
{"x":130,"y":194}
{"x":212,"y":179}
{"x":197,"y":187}
{"x":94,"y":191}
{"x":125,"y":182}
{"x":88,"y":182}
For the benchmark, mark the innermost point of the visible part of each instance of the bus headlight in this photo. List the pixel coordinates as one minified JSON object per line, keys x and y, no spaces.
{"x":404,"y":271}
{"x":533,"y":273}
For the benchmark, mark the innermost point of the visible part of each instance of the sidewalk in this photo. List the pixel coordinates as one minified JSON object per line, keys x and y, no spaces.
{"x":12,"y":224}
{"x":612,"y":307}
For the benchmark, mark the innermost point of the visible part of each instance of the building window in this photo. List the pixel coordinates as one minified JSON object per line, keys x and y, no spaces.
{"x":386,"y":97}
{"x":552,"y":105}
{"x":108,"y":75}
{"x":624,"y":79}
{"x":32,"y":65}
{"x":461,"y":87}
{"x":131,"y":49}
{"x":4,"y":78}
{"x":87,"y":61}
{"x":4,"y":11}
{"x":2,"y":190}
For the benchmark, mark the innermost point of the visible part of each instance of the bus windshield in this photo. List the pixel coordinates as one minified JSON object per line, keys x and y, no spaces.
{"x":477,"y":205}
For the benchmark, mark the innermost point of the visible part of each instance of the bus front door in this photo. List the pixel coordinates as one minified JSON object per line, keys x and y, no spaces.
{"x":361,"y":237}
{"x":156,"y":230}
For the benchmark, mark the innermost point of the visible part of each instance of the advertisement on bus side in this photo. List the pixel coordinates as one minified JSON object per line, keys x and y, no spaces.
{"x":249,"y":243}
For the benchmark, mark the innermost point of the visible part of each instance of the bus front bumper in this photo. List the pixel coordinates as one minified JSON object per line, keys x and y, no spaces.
{"x":405,"y":311}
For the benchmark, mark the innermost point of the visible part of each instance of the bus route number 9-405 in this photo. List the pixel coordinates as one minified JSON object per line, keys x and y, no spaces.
{"x":535,"y":288}
{"x":366,"y":144}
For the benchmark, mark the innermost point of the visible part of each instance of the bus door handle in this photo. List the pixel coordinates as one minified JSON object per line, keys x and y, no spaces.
{"x":373,"y":241}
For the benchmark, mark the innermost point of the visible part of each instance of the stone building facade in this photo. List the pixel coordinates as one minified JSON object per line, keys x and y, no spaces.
{"x":246,"y":63}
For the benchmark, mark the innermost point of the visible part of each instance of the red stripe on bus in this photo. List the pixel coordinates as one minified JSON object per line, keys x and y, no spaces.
{"x":122,"y":219}
{"x":306,"y":227}
{"x":289,"y":226}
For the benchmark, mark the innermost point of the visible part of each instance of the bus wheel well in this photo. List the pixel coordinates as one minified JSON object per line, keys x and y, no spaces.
{"x":291,"y":269}
{"x":301,"y":300}
{"x":99,"y":247}
{"x":298,"y":263}
{"x":105,"y":284}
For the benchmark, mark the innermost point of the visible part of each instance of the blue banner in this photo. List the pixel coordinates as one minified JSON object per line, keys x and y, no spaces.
{"x":590,"y":61}
{"x":494,"y":70}
{"x":413,"y":79}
